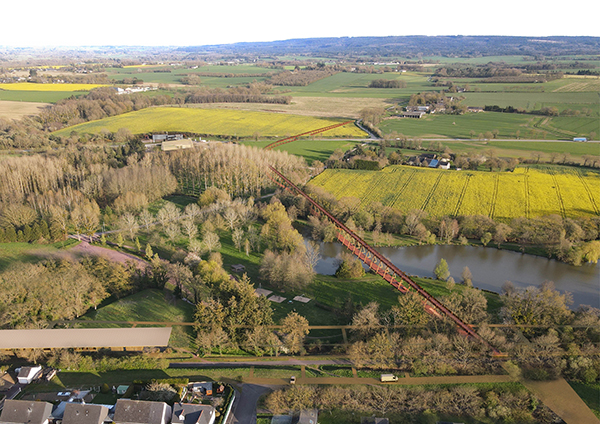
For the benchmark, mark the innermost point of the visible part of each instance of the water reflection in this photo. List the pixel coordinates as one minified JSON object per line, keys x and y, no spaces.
{"x":490,"y":268}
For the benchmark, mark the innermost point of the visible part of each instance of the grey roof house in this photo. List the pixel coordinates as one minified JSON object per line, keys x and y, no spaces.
{"x":25,"y":412}
{"x":77,"y":413}
{"x":141,"y":412}
{"x":187,"y":413}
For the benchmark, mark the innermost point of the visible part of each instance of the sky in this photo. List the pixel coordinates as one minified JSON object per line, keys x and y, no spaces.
{"x":37,"y":23}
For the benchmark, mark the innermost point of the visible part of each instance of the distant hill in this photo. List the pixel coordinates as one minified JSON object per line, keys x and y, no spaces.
{"x":411,"y":46}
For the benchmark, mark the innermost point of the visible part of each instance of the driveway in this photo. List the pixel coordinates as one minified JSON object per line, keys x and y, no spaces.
{"x":244,"y":410}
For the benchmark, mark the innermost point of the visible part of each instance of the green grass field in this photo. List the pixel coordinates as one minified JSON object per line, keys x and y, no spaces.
{"x":471,"y":125}
{"x":309,"y":149}
{"x":30,"y":252}
{"x":519,"y":148}
{"x":590,"y":394}
{"x":529,"y":192}
{"x":147,"y":305}
{"x":216,"y":122}
{"x":39,"y":96}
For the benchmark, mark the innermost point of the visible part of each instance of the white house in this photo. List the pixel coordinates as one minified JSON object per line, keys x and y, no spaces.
{"x":28,"y":374}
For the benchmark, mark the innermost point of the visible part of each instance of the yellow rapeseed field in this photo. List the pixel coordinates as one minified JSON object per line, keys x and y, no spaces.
{"x":527,"y":192}
{"x":219,"y":122}
{"x":29,"y":86}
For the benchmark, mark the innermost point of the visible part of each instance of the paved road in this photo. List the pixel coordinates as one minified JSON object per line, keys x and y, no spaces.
{"x":244,"y":410}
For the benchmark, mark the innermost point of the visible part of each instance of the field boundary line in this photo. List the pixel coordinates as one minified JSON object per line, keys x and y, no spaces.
{"x":432,"y":191}
{"x":462,"y":194}
{"x":494,"y":196}
{"x":589,"y":193}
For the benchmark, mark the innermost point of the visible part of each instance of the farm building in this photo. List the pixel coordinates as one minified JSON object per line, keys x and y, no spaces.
{"x":186,"y":413}
{"x":416,"y":115}
{"x":167,"y":146}
{"x":166,"y":137}
{"x":28,"y":374}
{"x":24,"y":411}
{"x":86,"y":339}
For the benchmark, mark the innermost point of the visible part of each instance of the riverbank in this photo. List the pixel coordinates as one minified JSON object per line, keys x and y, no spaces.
{"x":490,"y":268}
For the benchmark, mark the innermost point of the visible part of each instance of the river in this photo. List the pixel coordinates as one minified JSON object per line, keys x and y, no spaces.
{"x":490,"y":267}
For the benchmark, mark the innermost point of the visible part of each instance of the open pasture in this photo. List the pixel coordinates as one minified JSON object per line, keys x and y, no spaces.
{"x":530,"y":192}
{"x":348,"y":84}
{"x":309,"y":149}
{"x":521,"y":148}
{"x":471,"y":125}
{"x":38,"y":96}
{"x":216,"y":122}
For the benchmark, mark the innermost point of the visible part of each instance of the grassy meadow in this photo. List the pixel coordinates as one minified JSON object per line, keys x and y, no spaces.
{"x":475,"y":125}
{"x":216,"y":122}
{"x":529,"y":192}
{"x":38,"y":96}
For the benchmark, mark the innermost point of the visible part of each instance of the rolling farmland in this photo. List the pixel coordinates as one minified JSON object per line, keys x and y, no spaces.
{"x":526,"y":192}
{"x":28,"y":86}
{"x":217,"y":122}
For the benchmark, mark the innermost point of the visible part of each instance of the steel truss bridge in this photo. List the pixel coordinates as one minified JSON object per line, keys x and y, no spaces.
{"x":378,"y":263}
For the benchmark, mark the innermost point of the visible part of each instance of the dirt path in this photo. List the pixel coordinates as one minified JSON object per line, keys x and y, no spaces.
{"x":84,"y":248}
{"x":560,"y":397}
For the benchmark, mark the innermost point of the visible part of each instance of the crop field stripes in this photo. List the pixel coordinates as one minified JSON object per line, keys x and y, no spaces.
{"x":432,"y":191}
{"x":526,"y":182}
{"x":589,"y":192}
{"x":370,"y":195}
{"x":560,"y":199}
{"x":462,"y":195}
{"x":411,"y":175}
{"x":494,"y":196}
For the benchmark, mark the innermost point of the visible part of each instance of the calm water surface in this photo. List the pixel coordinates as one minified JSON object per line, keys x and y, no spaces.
{"x":490,"y":268}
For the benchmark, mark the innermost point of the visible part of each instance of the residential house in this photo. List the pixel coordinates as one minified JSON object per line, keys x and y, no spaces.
{"x":444,"y":164}
{"x":141,"y":412}
{"x":474,"y":109}
{"x":78,"y":413}
{"x":28,"y":374}
{"x":187,"y":413}
{"x":25,"y":412}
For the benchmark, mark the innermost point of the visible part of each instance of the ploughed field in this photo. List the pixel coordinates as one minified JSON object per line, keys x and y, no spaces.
{"x":217,"y":122}
{"x":528,"y":192}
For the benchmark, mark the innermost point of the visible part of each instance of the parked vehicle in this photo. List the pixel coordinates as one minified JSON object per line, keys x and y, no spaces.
{"x":293,"y":379}
{"x":388,"y":378}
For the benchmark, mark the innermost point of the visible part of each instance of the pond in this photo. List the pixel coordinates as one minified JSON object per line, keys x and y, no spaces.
{"x":490,"y":267}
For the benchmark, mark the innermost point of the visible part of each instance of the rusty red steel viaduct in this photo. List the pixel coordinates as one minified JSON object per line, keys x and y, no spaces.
{"x":375,"y":260}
